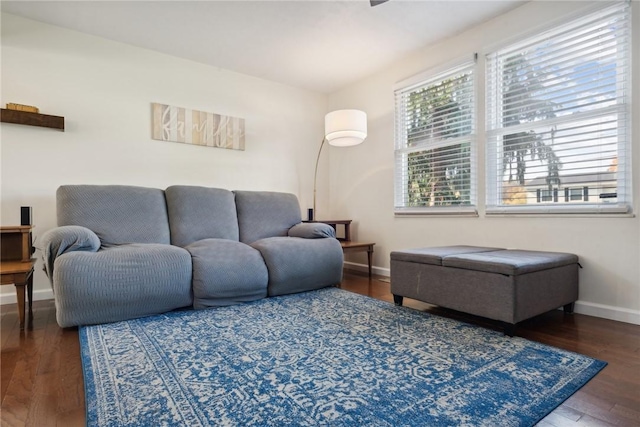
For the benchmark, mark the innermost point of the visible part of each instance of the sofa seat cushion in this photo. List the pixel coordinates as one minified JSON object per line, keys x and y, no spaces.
{"x":120,"y":283}
{"x":226,"y":272}
{"x":510,"y":262}
{"x":298,"y":265}
{"x":435,"y":255}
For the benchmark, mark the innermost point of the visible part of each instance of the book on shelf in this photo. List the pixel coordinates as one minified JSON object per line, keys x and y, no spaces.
{"x":22,"y":107}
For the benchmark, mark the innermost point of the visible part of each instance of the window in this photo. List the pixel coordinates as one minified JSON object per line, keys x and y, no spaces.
{"x":558,"y":116}
{"x":546,"y":196}
{"x":576,"y":194}
{"x":435,"y":144}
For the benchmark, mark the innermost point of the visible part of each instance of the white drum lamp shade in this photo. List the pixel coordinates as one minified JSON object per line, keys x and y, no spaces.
{"x":343,"y":128}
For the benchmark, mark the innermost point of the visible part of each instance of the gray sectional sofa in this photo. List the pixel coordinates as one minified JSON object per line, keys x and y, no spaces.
{"x":121,"y":252}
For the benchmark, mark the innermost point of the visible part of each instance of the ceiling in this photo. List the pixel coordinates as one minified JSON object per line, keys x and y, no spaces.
{"x":317,"y":45}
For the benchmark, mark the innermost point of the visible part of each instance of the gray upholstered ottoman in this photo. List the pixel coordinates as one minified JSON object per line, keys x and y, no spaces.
{"x":505,"y":285}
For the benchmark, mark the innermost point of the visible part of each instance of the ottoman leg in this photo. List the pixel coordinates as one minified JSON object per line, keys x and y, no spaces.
{"x":397,"y":299}
{"x":568,"y":308}
{"x":510,"y":329}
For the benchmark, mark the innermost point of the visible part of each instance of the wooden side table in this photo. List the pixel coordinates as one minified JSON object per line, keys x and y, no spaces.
{"x":347,"y":244}
{"x":16,"y":264}
{"x":21,"y":274}
{"x":359,"y":247}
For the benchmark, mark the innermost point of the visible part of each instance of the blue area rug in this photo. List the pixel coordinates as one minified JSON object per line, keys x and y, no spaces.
{"x":327,"y":357}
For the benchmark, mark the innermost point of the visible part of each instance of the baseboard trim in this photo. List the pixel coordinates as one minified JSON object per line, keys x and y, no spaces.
{"x":582,"y":307}
{"x":365,"y":268}
{"x":610,"y":312}
{"x":38,"y":295}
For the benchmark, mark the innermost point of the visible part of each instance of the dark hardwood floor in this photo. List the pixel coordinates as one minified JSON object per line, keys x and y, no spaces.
{"x":41,"y":376}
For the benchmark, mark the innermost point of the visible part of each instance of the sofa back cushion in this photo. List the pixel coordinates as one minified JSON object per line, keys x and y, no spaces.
{"x":263,"y":214}
{"x":197,"y":213}
{"x":118,"y":214}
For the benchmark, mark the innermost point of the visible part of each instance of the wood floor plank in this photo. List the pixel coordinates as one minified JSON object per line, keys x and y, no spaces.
{"x":19,"y":394}
{"x":594,"y":411}
{"x":633,"y":414}
{"x":42,"y":383}
{"x":75,"y":418}
{"x":8,"y":321}
{"x":568,"y":413}
{"x":557,"y":420}
{"x":70,"y":392}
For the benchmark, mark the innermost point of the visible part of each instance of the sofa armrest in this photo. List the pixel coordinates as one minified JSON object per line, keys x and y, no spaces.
{"x":312,"y":230}
{"x":60,"y":240}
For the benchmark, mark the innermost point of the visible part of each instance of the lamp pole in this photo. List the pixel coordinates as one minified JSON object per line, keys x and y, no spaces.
{"x":315,"y":178}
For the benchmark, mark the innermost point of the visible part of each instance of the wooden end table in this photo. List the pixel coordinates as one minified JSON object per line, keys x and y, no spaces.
{"x":359,"y":247}
{"x":19,"y":273}
{"x":16,"y":264}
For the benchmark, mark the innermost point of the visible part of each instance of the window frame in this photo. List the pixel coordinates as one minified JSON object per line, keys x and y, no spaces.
{"x":401,"y":148}
{"x":493,"y":192}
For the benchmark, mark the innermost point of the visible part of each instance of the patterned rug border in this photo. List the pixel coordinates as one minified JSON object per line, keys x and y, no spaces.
{"x":540,"y":410}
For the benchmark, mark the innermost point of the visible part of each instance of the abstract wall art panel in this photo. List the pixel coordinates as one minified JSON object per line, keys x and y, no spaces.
{"x":196,"y":127}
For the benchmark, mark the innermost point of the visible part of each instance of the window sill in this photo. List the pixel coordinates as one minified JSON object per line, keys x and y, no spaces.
{"x":608,"y":211}
{"x":467,"y":212}
{"x":559,"y":215}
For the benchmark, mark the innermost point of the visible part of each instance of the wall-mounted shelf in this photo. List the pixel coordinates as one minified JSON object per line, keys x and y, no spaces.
{"x":31,"y":119}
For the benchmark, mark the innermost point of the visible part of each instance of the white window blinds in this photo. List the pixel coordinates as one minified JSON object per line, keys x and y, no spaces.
{"x":558,"y":119}
{"x":435,"y":144}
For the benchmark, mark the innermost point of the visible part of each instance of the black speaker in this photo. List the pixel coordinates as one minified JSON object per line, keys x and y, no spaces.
{"x":309,"y":214}
{"x":25,"y":215}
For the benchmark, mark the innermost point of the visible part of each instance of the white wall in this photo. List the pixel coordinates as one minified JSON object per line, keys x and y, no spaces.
{"x":104,"y":90}
{"x":362,"y":178}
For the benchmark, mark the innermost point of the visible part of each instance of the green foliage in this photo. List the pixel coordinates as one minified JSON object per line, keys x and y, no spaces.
{"x":440,"y":174}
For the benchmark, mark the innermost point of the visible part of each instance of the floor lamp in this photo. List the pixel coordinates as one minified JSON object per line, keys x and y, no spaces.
{"x":342,"y":128}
